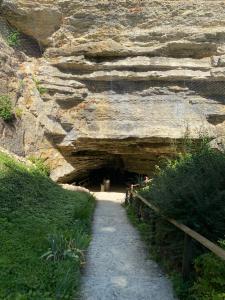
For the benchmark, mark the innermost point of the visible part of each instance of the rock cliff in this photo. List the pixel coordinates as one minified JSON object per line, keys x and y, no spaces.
{"x":117,"y":82}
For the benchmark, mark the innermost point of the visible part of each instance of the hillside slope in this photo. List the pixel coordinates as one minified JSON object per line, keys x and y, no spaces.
{"x":44,"y":231}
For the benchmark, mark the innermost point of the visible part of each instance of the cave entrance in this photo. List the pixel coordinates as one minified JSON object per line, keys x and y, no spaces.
{"x":120,"y":179}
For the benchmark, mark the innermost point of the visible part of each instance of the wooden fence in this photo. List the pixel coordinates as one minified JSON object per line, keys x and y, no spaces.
{"x":189,"y":235}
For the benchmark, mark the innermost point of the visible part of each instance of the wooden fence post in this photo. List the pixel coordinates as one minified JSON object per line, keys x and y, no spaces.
{"x":153,"y":231}
{"x":127,"y":197}
{"x":187,"y":257}
{"x":138,"y":208}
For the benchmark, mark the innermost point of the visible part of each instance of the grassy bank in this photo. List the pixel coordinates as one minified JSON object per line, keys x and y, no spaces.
{"x":44,"y":231}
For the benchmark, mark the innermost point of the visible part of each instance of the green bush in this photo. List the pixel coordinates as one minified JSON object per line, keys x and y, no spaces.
{"x":13,"y":39}
{"x":210,"y":282}
{"x":40,"y":165}
{"x":34,"y":211}
{"x":191,"y":190}
{"x":6,"y":110}
{"x":182,"y":288}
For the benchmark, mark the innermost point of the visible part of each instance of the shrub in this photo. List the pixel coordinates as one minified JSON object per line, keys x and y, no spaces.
{"x":210,"y":282}
{"x":191,"y":190}
{"x":13,"y":39}
{"x":40,"y":164}
{"x":6,"y":110}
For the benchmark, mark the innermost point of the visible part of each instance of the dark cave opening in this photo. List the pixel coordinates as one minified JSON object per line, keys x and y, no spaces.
{"x":119,"y":178}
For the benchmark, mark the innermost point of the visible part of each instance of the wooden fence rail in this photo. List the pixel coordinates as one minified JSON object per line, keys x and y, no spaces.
{"x":189,"y":235}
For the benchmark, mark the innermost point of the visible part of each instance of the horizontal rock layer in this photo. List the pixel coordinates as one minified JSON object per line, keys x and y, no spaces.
{"x":120,"y":83}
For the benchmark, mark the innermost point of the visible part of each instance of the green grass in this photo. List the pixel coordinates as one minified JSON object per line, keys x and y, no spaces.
{"x":34,"y":213}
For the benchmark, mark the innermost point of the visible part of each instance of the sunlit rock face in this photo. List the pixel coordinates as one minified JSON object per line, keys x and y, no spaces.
{"x":120,"y":82}
{"x":11,"y":133}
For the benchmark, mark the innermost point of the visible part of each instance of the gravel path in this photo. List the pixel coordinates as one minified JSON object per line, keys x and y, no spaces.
{"x":117,"y":264}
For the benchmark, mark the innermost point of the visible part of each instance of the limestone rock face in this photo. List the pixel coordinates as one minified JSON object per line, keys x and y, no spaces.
{"x":11,"y":134}
{"x":120,"y":82}
{"x":39,"y":19}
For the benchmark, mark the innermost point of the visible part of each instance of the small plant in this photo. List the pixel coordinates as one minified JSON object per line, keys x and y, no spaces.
{"x":6,"y":110}
{"x":140,"y":179}
{"x":13,"y":39}
{"x":42,"y":90}
{"x":21,"y":84}
{"x":210,"y":282}
{"x":62,"y":248}
{"x":18,"y":112}
{"x":40,"y":165}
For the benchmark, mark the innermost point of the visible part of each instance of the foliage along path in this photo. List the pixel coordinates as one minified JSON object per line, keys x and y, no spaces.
{"x":117,"y":262}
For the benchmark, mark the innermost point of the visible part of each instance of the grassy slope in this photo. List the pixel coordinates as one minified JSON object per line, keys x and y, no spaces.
{"x":32,"y":207}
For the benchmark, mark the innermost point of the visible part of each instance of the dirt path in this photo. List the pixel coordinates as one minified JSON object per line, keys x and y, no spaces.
{"x":117,"y":263}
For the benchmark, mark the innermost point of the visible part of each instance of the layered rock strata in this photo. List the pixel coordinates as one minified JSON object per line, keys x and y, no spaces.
{"x":120,"y":83}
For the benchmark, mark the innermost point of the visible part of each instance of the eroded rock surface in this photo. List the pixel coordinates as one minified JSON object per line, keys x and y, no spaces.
{"x":119,"y":81}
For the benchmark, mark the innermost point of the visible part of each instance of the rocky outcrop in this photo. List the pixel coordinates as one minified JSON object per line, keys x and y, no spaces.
{"x":11,"y":134}
{"x":74,"y":188}
{"x":119,"y":83}
{"x":39,"y":19}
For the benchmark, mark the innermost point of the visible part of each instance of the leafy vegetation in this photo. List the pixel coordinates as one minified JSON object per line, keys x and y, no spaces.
{"x":191,"y":190}
{"x":42,"y":90}
{"x":6,"y":110}
{"x":40,"y":164}
{"x":44,"y":231}
{"x":62,"y":248}
{"x":210,"y":281}
{"x":18,"y":112}
{"x":13,"y":39}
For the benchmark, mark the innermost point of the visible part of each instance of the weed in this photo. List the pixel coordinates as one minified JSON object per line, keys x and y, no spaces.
{"x":42,"y":90}
{"x":6,"y":110}
{"x":13,"y":39}
{"x":40,"y":164}
{"x":61,"y":248}
{"x":18,"y":112}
